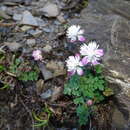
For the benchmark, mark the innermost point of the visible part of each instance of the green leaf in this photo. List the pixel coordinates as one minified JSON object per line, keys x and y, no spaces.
{"x":2,"y":68}
{"x":98,"y":69}
{"x":108,"y":92}
{"x":79,"y":100}
{"x":83,"y":114}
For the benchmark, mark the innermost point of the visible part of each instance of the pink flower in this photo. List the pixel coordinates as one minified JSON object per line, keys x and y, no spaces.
{"x":89,"y":102}
{"x":74,"y":33}
{"x":91,"y":52}
{"x":37,"y":55}
{"x":74,"y":65}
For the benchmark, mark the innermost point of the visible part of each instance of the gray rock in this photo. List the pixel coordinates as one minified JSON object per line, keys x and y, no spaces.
{"x":47,"y":48}
{"x":31,"y":42}
{"x":35,"y":33}
{"x":46,"y":73}
{"x":61,"y":18}
{"x":40,"y":22}
{"x":28,"y":19}
{"x":13,"y":46}
{"x":46,"y":94}
{"x":4,"y":15}
{"x":15,"y":2}
{"x":118,"y":120}
{"x":17,"y":17}
{"x":50,"y":10}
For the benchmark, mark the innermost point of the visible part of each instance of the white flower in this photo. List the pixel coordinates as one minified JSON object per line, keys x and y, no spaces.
{"x":74,"y":65}
{"x":91,"y":52}
{"x":75,"y":32}
{"x":37,"y":54}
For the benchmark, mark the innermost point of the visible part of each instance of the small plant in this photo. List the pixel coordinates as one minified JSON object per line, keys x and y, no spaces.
{"x":86,"y":84}
{"x":43,"y":118}
{"x":23,"y":71}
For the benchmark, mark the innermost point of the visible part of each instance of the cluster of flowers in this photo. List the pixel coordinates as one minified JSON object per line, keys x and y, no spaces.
{"x":89,"y":53}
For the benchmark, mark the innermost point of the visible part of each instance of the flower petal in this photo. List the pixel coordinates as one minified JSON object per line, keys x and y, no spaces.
{"x":79,"y":71}
{"x":95,"y":62}
{"x":81,"y":38}
{"x":100,"y":52}
{"x":77,"y":55}
{"x":84,"y":61}
{"x":70,"y":73}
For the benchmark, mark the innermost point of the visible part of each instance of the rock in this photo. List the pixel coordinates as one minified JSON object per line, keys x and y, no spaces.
{"x":61,"y":18}
{"x":17,"y":17}
{"x":57,"y":92}
{"x":53,"y":94}
{"x":4,"y":15}
{"x":47,"y":94}
{"x":47,"y":48}
{"x":35,"y":33}
{"x":10,"y":3}
{"x":56,"y":67}
{"x":40,"y":22}
{"x":31,"y":42}
{"x":46,"y":73}
{"x":14,"y":46}
{"x":25,"y":28}
{"x":50,"y":10}
{"x":108,"y":23}
{"x":118,"y":121}
{"x":48,"y":29}
{"x":16,"y":2}
{"x":40,"y":86}
{"x":28,"y":19}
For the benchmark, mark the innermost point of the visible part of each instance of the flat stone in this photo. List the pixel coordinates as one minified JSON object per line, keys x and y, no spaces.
{"x":25,"y":28}
{"x":35,"y":33}
{"x":40,"y":86}
{"x":46,"y":73}
{"x":47,"y":48}
{"x":57,"y":67}
{"x":47,"y":94}
{"x":40,"y":22}
{"x":31,"y":42}
{"x":13,"y":46}
{"x":4,"y":15}
{"x":61,"y":18}
{"x":17,"y":17}
{"x":50,"y":10}
{"x":28,"y":19}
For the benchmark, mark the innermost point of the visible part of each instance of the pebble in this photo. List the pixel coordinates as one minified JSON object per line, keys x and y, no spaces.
{"x":40,"y":22}
{"x":47,"y":48}
{"x":61,"y":18}
{"x":4,"y":15}
{"x":28,"y":19}
{"x":57,"y":67}
{"x":25,"y":28}
{"x":17,"y":17}
{"x":50,"y":10}
{"x":46,"y":73}
{"x":40,"y":86}
{"x":46,"y":94}
{"x":35,"y":33}
{"x":13,"y":46}
{"x":31,"y":42}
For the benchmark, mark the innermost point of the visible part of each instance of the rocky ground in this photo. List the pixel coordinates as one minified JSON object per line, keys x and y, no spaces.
{"x":26,"y":25}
